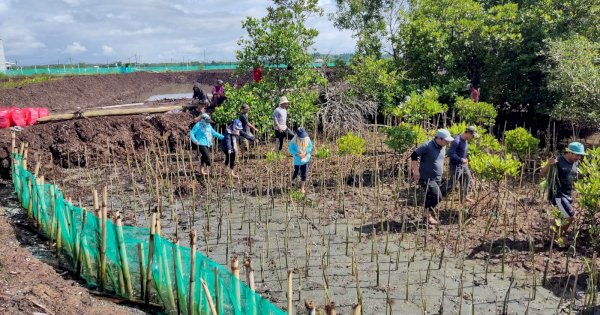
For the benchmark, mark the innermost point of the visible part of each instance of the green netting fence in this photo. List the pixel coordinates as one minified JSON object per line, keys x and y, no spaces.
{"x":79,"y":235}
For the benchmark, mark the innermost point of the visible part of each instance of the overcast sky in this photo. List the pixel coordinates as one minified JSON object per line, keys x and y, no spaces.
{"x":99,"y":31}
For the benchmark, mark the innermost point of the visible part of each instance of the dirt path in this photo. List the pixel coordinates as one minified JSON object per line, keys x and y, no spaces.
{"x":29,"y":285}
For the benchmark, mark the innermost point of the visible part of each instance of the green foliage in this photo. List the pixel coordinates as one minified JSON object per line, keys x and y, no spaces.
{"x":458,"y":128}
{"x":588,"y":187}
{"x":404,"y":136}
{"x":420,"y":106}
{"x":480,"y":113}
{"x":377,"y":79}
{"x":520,"y":142}
{"x":297,"y":195}
{"x":274,"y":156}
{"x":494,"y":167}
{"x":322,"y":152}
{"x":22,"y":81}
{"x":486,"y":143}
{"x":574,"y":75}
{"x":351,"y":144}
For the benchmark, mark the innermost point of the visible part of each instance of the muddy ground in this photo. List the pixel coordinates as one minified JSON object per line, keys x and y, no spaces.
{"x":261,"y":217}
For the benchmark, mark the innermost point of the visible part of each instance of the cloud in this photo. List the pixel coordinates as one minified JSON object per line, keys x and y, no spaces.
{"x":75,"y":47}
{"x":39,"y":32}
{"x":107,"y":50}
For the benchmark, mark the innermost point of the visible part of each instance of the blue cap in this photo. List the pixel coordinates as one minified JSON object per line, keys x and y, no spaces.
{"x":576,"y":148}
{"x":237,"y":124}
{"x":301,"y":133}
{"x":444,"y":134}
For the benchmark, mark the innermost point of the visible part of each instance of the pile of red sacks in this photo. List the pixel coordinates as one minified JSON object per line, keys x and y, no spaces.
{"x":14,"y":116}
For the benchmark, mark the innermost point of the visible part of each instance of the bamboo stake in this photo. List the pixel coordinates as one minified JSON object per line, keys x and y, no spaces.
{"x":311,"y":308}
{"x":123,"y":255}
{"x":357,"y":309}
{"x":103,"y":239}
{"x":235,"y":270}
{"x":150,"y":256}
{"x":192,"y":286}
{"x":290,"y":296}
{"x":211,"y":304}
{"x":218,"y":298}
{"x":142,"y":270}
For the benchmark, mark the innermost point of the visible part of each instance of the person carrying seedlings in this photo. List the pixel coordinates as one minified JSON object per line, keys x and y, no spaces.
{"x":561,"y":175}
{"x":229,"y":145}
{"x":280,"y":123}
{"x":427,"y":165}
{"x":202,"y":135}
{"x":300,"y":147}
{"x":459,"y":164}
{"x":248,"y":127}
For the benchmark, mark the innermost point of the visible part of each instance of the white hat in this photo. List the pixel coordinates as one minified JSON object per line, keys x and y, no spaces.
{"x":444,"y":134}
{"x":283,"y":100}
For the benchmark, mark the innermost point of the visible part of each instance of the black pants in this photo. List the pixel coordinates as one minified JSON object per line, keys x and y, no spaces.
{"x":302,"y":169}
{"x":433,"y":194}
{"x":204,"y":155}
{"x":230,"y":159}
{"x":280,"y":135}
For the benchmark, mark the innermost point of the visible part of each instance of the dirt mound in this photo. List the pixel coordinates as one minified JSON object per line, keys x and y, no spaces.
{"x":72,"y":92}
{"x":76,"y":142}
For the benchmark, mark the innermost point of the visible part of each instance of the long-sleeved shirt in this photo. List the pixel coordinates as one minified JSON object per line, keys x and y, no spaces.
{"x":280,"y":118}
{"x":203,"y":133}
{"x":458,"y":150}
{"x":294,"y":150}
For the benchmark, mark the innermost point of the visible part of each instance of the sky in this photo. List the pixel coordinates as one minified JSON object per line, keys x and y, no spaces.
{"x":37,"y":32}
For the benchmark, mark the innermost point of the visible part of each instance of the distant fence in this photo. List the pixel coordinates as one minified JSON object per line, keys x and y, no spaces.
{"x":75,"y":70}
{"x":131,"y":262}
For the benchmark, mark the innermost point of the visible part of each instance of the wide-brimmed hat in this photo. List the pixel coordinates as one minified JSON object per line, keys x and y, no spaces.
{"x":473,"y":130}
{"x":444,"y":134}
{"x":301,"y":133}
{"x":283,"y":100}
{"x":576,"y":148}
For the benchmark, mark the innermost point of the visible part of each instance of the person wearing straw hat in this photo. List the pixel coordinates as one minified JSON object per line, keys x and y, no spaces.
{"x":427,"y":165}
{"x":300,"y":148}
{"x":459,"y":164}
{"x":280,"y":123}
{"x":561,"y":175}
{"x":229,"y":145}
{"x":202,"y":135}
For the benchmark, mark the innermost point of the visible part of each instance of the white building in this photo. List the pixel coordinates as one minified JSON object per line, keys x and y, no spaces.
{"x":2,"y":58}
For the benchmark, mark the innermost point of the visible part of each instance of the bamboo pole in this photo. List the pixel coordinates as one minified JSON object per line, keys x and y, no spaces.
{"x":142,"y":270}
{"x":107,"y":112}
{"x":192,"y":287}
{"x":311,"y":308}
{"x":103,"y":238}
{"x":218,"y":297}
{"x":211,"y":304}
{"x":150,"y":254}
{"x":13,"y":142}
{"x":123,"y":255}
{"x":290,"y":296}
{"x":357,"y":309}
{"x":330,"y":309}
{"x":235,"y":270}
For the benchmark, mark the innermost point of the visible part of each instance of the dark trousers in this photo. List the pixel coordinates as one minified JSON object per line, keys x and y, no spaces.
{"x":280,"y":135}
{"x":204,"y":155}
{"x":230,"y":159}
{"x":433,"y":193}
{"x":459,"y":175}
{"x":302,"y":169}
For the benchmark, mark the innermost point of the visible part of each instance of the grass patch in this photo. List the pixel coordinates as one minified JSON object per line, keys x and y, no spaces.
{"x":7,"y":82}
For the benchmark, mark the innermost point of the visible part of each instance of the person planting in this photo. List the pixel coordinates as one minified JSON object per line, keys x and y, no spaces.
{"x":202,"y":135}
{"x":459,"y":164}
{"x":427,"y":165}
{"x":280,"y":123}
{"x":229,"y":145}
{"x":300,"y":148}
{"x":248,"y":127}
{"x":560,"y":180}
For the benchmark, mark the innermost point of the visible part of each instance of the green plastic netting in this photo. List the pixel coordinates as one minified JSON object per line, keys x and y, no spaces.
{"x":78,"y":234}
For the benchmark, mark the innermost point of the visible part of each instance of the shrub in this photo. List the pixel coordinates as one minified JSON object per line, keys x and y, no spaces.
{"x":404,"y":136}
{"x":588,"y":187}
{"x":322,"y":152}
{"x":520,"y":142}
{"x":494,"y":167}
{"x":351,"y":144}
{"x":485,"y":144}
{"x":480,"y":113}
{"x":420,"y":107}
